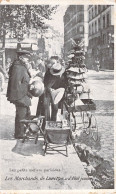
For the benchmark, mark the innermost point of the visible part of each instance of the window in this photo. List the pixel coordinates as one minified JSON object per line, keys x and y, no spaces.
{"x":108,"y":19}
{"x":99,"y":39}
{"x":103,"y":21}
{"x":104,"y":39}
{"x":99,"y":24}
{"x":80,"y":17}
{"x":92,"y":28}
{"x":81,"y":29}
{"x":95,"y":41}
{"x":89,"y":15}
{"x":92,"y":13}
{"x":89,"y":30}
{"x":95,"y":9}
{"x":99,"y":9}
{"x":90,"y":42}
{"x":95,"y":26}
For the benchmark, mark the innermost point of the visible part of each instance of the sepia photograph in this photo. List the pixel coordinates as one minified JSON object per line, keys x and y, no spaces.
{"x":57,"y":96}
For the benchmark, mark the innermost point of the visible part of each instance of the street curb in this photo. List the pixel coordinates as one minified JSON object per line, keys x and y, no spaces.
{"x":107,"y":70}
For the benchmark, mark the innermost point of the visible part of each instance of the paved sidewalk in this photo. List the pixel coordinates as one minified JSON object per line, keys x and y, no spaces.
{"x":25,"y":168}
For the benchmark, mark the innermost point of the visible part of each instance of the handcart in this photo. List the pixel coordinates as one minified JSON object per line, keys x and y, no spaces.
{"x":81,"y":114}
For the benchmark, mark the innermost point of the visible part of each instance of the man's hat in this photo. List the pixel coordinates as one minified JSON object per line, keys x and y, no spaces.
{"x":57,"y":69}
{"x":54,"y":57}
{"x":21,"y":52}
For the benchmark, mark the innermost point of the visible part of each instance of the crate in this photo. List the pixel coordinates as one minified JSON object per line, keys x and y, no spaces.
{"x":55,"y":125}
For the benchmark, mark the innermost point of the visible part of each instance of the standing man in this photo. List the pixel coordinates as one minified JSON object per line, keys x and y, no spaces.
{"x":53,"y":80}
{"x":17,"y":91}
{"x":97,"y":64}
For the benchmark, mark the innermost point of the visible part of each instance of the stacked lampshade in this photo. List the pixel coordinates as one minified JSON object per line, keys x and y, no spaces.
{"x":77,"y":72}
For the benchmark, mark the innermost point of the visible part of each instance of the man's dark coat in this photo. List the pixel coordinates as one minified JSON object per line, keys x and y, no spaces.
{"x":17,"y":91}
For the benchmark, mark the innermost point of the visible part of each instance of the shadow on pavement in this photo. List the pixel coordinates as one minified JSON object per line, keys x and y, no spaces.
{"x":6,"y":127}
{"x":28,"y":148}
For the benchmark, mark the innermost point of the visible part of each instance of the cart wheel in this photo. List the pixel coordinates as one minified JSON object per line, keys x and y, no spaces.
{"x":45,"y":149}
{"x":36,"y":139}
{"x":66,"y":151}
{"x":74,"y":123}
{"x":94,"y":128}
{"x":86,"y":119}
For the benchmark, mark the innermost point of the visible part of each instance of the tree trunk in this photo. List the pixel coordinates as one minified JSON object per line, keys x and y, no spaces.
{"x":18,"y":46}
{"x":3,"y":47}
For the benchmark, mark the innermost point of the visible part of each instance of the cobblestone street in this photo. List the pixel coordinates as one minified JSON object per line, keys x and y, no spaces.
{"x":101,"y":85}
{"x":104,"y":95}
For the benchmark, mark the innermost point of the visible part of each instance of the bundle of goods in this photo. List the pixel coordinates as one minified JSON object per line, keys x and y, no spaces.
{"x":77,"y":89}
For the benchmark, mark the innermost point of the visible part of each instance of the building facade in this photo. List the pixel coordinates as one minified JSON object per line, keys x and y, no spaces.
{"x":54,"y":42}
{"x":101,"y":32}
{"x":75,"y":26}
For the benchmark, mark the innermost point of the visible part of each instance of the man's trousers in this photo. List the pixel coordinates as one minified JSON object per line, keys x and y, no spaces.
{"x":22,"y":112}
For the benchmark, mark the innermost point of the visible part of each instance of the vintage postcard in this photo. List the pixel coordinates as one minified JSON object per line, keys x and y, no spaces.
{"x":57,"y":68}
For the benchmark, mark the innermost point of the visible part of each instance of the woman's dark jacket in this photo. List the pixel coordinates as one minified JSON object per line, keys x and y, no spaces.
{"x":17,"y":91}
{"x":54,"y":82}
